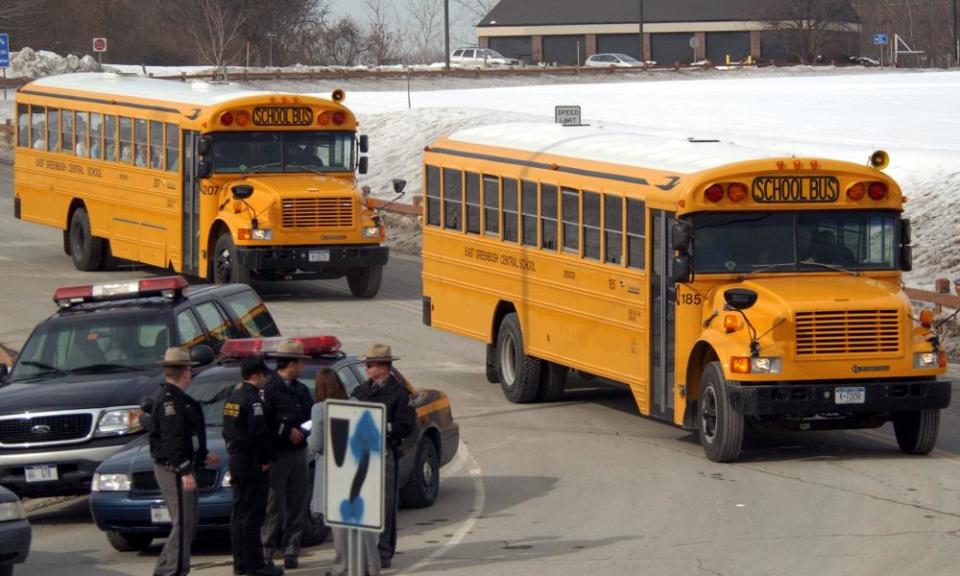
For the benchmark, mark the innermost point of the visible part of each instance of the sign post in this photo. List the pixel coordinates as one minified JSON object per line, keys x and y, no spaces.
{"x":100,"y":46}
{"x":694,"y":44}
{"x":4,"y":60}
{"x":354,"y":443}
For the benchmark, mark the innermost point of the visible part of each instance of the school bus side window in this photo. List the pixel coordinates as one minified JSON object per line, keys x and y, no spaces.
{"x":66,"y":130}
{"x":96,"y":135}
{"x":548,"y":216}
{"x":38,"y":126}
{"x":612,"y":229}
{"x":571,"y":220}
{"x":173,"y":147}
{"x":433,"y":196}
{"x":636,"y":234}
{"x":491,"y":205}
{"x":140,"y":143}
{"x":510,"y":211}
{"x":452,"y":199}
{"x":156,"y":145}
{"x":23,"y":125}
{"x":591,"y":225}
{"x":473,"y":202}
{"x":529,"y":210}
{"x":82,"y":148}
{"x":110,"y":138}
{"x":125,"y":138}
{"x":53,"y":130}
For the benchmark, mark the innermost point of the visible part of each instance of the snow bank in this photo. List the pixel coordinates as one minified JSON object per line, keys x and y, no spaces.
{"x":28,"y":63}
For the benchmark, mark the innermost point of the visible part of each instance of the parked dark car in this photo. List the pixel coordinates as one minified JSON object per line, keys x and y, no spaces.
{"x":71,"y":400}
{"x":15,"y":532}
{"x":126,"y":502}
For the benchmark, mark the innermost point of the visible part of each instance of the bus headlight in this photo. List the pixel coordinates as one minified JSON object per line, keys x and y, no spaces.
{"x":111,"y":483}
{"x":371,"y":232}
{"x":923,"y":360}
{"x":262,"y":234}
{"x":748,"y":365}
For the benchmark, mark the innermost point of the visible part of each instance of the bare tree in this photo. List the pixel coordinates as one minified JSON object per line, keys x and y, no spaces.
{"x":427,"y":25}
{"x":925,"y":25}
{"x":476,"y":10}
{"x":14,"y":11}
{"x":214,"y":26}
{"x":806,"y":27}
{"x":381,"y":40}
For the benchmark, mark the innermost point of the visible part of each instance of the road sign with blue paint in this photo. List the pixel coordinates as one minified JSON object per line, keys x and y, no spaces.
{"x":353,"y":450}
{"x":880,"y":39}
{"x":4,"y":50}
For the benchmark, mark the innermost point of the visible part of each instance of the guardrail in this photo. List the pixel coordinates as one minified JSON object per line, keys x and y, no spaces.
{"x":940,"y":297}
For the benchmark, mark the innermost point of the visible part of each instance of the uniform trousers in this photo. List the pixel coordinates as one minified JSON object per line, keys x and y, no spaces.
{"x":287,"y":503}
{"x":250,"y":488}
{"x":184,"y":517}
{"x":388,"y":538}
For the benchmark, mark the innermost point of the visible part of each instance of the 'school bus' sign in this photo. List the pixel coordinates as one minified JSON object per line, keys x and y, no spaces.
{"x":282,"y":116}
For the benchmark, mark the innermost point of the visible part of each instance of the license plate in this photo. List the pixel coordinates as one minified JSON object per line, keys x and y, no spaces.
{"x":319,"y":255}
{"x":159,"y":515}
{"x":853,"y":395}
{"x":41,"y":473}
{"x":788,"y":189}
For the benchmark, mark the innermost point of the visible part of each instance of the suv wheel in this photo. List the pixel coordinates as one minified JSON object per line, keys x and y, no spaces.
{"x":128,"y":541}
{"x":421,"y":491}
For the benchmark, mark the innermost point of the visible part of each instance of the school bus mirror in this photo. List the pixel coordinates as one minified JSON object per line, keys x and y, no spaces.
{"x":398,"y":185}
{"x":363,"y":165}
{"x":204,"y":169}
{"x":203,"y":145}
{"x":682,"y":235}
{"x":906,"y":232}
{"x":906,"y":258}
{"x":202,"y":354}
{"x":242,"y":191}
{"x":682,"y":269}
{"x":740,"y":298}
{"x":364,"y":144}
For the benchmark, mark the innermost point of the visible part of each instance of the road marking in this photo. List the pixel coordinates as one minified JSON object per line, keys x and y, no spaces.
{"x":479,"y":500}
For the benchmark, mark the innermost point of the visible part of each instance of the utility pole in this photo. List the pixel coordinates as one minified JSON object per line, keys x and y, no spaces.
{"x":643,"y":59}
{"x":446,"y":35}
{"x":956,"y":30}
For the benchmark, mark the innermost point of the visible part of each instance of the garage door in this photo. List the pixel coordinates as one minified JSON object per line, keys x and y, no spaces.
{"x":772,"y":47}
{"x":723,"y":44}
{"x":562,"y":50}
{"x":628,"y":44}
{"x":671,"y":48}
{"x":519,"y":47}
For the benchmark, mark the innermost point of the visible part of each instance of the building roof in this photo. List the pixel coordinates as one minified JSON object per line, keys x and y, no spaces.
{"x":572,"y":12}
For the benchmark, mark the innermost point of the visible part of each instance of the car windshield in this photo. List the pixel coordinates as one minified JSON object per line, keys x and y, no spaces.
{"x":131,"y":341}
{"x":794,"y":241}
{"x":490,"y":53}
{"x":274,"y":152}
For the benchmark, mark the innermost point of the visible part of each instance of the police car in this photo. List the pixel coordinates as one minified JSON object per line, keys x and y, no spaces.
{"x":71,"y":400}
{"x":126,"y":501}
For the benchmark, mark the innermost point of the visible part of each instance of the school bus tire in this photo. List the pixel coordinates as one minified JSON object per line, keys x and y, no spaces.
{"x":917,"y":431}
{"x":225,"y":266}
{"x":720,"y":426}
{"x":493,"y":372}
{"x":519,"y":373}
{"x":553,"y":382}
{"x":66,"y":242}
{"x":85,"y":249}
{"x":365,"y":282}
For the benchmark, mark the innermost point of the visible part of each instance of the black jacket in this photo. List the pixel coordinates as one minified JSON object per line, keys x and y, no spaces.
{"x":289,"y":407}
{"x":178,"y":434}
{"x":245,"y":425}
{"x":401,"y":415}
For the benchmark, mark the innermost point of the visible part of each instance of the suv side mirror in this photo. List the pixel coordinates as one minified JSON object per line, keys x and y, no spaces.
{"x":203,"y":145}
{"x":202,"y":354}
{"x":399,"y":185}
{"x":363,"y":165}
{"x":364,"y":144}
{"x":906,"y":232}
{"x":682,"y":235}
{"x":204,"y":169}
{"x":682,"y":268}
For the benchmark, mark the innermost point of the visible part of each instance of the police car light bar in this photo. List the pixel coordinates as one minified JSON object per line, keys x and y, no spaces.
{"x":166,"y":286}
{"x":246,"y":347}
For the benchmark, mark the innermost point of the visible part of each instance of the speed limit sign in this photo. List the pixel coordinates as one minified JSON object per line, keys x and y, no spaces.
{"x":99,"y":44}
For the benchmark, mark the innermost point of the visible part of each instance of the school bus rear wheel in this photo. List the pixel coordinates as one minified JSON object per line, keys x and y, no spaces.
{"x":85,"y":248}
{"x":519,"y":373}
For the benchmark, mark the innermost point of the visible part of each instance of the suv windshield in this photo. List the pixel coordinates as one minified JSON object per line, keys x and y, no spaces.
{"x":743,"y":242}
{"x":85,"y":344}
{"x":273,"y":152}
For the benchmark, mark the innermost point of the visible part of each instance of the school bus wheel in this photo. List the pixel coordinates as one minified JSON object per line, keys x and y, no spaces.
{"x":519,"y":373}
{"x":720,"y":426}
{"x":225,"y":265}
{"x":493,"y":372}
{"x":365,"y":283}
{"x":553,"y":381}
{"x":85,"y":248}
{"x":917,"y":431}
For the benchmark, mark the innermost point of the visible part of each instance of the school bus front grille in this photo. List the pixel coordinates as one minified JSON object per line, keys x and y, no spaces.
{"x":848,"y":332}
{"x":318,"y":212}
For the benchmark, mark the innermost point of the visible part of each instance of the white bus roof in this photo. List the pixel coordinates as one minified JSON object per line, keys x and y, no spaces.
{"x":614,"y":145}
{"x":193,"y":93}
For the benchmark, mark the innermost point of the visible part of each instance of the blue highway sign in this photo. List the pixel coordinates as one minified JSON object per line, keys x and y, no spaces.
{"x":4,"y":50}
{"x":880,"y":39}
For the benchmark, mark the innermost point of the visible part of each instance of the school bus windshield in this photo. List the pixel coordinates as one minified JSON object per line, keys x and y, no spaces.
{"x":794,"y":241}
{"x":276,"y":152}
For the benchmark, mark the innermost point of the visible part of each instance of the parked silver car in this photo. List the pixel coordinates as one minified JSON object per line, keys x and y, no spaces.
{"x":473,"y":57}
{"x":613,"y":59}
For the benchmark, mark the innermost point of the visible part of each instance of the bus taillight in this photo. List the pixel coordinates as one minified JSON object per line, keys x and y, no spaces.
{"x":226,"y":118}
{"x":856,"y":192}
{"x":877,"y":190}
{"x":714,"y":193}
{"x":737,"y":192}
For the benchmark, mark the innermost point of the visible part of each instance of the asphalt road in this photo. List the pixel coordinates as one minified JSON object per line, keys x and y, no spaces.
{"x":583,"y":486}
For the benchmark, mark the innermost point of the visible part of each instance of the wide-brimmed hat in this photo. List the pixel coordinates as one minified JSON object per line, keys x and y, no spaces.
{"x":289,"y":349}
{"x":379,"y":353}
{"x":176,"y":357}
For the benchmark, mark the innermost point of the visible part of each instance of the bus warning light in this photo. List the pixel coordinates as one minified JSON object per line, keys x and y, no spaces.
{"x":926,"y":317}
{"x":339,"y":118}
{"x":737,"y":192}
{"x":740,"y":364}
{"x":877,"y":190}
{"x":856,"y":192}
{"x":715,"y":193}
{"x":226,"y":118}
{"x":242,"y":118}
{"x":731,"y":323}
{"x":797,"y":164}
{"x":323,"y":118}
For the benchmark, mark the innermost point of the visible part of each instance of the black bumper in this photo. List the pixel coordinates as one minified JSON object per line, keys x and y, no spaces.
{"x":295,"y":260}
{"x":15,"y":539}
{"x":804,"y":399}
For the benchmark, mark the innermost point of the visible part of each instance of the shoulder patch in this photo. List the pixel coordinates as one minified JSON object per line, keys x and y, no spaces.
{"x":257,"y":409}
{"x":231,"y":410}
{"x":169,"y":408}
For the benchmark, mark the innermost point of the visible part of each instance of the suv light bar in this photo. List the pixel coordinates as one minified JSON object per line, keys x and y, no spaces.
{"x":166,"y":286}
{"x":246,"y":347}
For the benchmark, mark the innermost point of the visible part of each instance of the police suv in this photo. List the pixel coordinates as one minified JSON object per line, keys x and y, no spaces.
{"x":71,"y":399}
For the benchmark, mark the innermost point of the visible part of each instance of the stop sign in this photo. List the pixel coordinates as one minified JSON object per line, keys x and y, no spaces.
{"x":99,"y":44}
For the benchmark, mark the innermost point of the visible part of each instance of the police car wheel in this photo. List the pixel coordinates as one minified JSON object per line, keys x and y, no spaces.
{"x":519,"y":373}
{"x":128,"y":542}
{"x":720,"y":426}
{"x":85,"y":248}
{"x":424,"y":485}
{"x":917,"y":431}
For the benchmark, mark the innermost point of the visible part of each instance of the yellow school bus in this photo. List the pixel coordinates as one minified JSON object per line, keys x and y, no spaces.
{"x":202,"y":178}
{"x":725,"y":287}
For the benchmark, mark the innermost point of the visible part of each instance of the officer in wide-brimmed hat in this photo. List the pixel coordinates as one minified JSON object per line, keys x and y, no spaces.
{"x":178,"y":446}
{"x":289,"y":401}
{"x":381,"y":386}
